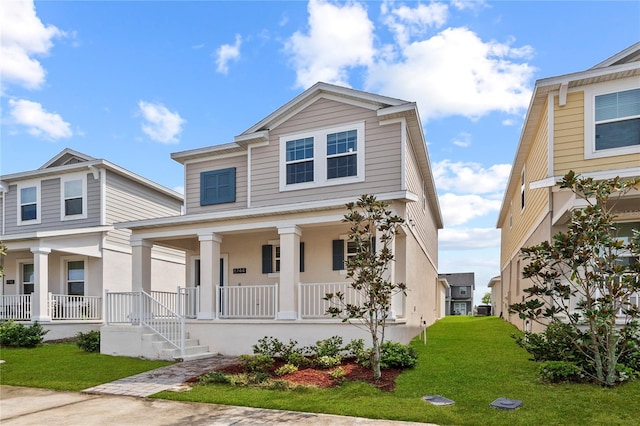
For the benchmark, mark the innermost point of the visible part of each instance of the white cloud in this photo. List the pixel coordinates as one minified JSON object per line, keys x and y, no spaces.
{"x":23,"y":36}
{"x":160,"y":124}
{"x":38,"y":121}
{"x":470,"y":178}
{"x":406,"y":22}
{"x":463,"y":140}
{"x":338,"y":38}
{"x":468,"y":238}
{"x":227,"y":53}
{"x":460,"y":209}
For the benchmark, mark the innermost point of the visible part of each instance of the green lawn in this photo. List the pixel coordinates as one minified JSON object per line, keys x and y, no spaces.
{"x":64,"y":366}
{"x":470,"y":360}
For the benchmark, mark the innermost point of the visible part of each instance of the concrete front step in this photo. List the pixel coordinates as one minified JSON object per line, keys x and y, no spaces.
{"x":165,"y":350}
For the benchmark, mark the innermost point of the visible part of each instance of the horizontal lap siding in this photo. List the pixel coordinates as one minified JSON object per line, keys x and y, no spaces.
{"x":382,"y":155}
{"x":192,"y":184}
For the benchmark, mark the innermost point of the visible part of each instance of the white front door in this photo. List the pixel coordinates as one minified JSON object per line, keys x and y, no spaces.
{"x":460,"y":308}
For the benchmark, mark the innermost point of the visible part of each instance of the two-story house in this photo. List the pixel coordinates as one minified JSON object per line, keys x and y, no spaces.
{"x":263,"y":233}
{"x":588,"y":122}
{"x":62,"y":248}
{"x":459,"y":297}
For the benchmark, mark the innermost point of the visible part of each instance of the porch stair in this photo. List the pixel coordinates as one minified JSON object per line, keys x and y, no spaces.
{"x":166,"y":351}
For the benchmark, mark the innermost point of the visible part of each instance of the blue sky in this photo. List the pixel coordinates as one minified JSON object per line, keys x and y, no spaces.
{"x":132,"y":82}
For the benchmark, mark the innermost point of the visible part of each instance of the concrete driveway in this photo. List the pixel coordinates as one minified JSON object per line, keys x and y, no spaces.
{"x":29,"y":406}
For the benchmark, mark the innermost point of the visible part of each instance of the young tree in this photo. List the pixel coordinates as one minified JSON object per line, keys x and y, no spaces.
{"x":369,"y":219}
{"x":486,"y":299}
{"x":591,"y":264}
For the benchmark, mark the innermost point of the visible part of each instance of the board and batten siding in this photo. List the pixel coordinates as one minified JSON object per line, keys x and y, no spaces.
{"x":50,"y":208}
{"x":192,"y":183}
{"x":568,"y":135}
{"x":536,"y":200}
{"x":382,"y":156}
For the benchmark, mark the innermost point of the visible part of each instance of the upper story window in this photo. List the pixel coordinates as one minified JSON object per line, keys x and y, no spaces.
{"x":218,"y":186}
{"x":463,"y":291}
{"x":322,"y":157}
{"x":612,"y":119}
{"x":523,"y":185}
{"x":28,"y":203}
{"x":74,"y":197}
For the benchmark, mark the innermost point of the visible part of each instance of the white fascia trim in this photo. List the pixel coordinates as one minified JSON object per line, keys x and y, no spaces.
{"x":261,"y":136}
{"x":405,"y":196}
{"x":599,"y":175}
{"x":550,"y":131}
{"x":217,"y":157}
{"x":591,"y":73}
{"x":398,"y":109}
{"x":543,"y":183}
{"x":57,"y":233}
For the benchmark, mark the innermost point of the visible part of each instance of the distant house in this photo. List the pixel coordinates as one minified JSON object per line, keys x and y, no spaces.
{"x":263,"y":234}
{"x":459,"y":300}
{"x":588,"y":122}
{"x":495,"y":285}
{"x":63,"y":250}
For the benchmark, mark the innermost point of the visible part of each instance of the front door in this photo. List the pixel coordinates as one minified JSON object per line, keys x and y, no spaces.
{"x":460,"y":308}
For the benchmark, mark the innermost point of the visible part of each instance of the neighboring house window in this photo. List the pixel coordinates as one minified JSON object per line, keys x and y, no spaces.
{"x":28,"y":204}
{"x":463,"y":291}
{"x":522,"y":189}
{"x":612,"y":119}
{"x":27,"y":278}
{"x":617,"y":119}
{"x":75,"y":278}
{"x":271,"y":258}
{"x":322,"y":157}
{"x":74,"y":197}
{"x":218,"y":186}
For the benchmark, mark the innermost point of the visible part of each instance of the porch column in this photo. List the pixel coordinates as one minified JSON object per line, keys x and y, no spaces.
{"x":209,"y":273}
{"x":39,"y":299}
{"x":390,"y":275}
{"x":289,"y":272}
{"x":141,"y":265}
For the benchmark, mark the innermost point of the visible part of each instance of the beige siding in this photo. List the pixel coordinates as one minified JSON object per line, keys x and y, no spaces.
{"x":192,"y":184}
{"x":569,"y":142}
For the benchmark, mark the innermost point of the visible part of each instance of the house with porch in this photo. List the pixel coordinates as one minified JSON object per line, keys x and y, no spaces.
{"x":459,"y":297}
{"x":587,"y":122}
{"x":63,"y":250}
{"x":263,"y":233}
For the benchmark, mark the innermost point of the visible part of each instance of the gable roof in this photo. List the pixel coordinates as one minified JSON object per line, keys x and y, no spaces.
{"x":623,"y":64}
{"x":65,"y":157}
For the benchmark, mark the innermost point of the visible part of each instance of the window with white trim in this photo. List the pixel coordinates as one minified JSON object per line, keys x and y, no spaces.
{"x":612,"y":118}
{"x":522,"y":189}
{"x":28,"y":203}
{"x":322,"y":157}
{"x":27,"y":278}
{"x":463,"y":291}
{"x":73,"y":193}
{"x":75,"y":277}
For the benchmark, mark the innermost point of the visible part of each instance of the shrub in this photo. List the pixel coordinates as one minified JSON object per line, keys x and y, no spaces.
{"x":555,"y":343}
{"x":560,"y":371}
{"x":354,"y":348}
{"x":330,"y":347}
{"x":297,"y":359}
{"x":397,"y":355}
{"x":286,"y":369}
{"x":20,"y":336}
{"x":278,"y":385}
{"x":269,"y":346}
{"x":214,"y":377}
{"x":89,"y":341}
{"x":256,"y":363}
{"x":338,"y":374}
{"x":326,"y":361}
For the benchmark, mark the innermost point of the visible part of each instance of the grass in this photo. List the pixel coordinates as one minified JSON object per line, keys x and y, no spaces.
{"x":470,"y":360}
{"x":64,"y":366}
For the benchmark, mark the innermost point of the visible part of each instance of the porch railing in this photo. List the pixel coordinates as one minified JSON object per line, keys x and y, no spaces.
{"x":15,"y":307}
{"x":251,"y":301}
{"x":310,"y":298}
{"x":59,"y":307}
{"x":188,"y":301}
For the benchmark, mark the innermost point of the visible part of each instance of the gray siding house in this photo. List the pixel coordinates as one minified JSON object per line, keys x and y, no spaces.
{"x":459,"y":300}
{"x":263,"y":235}
{"x":63,"y":250}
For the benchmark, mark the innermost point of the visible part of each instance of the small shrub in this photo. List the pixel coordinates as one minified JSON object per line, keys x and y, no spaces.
{"x":555,"y":343}
{"x":560,"y":371}
{"x":326,"y":361}
{"x":89,"y":341}
{"x":256,"y":363}
{"x":17,"y":335}
{"x":626,"y":374}
{"x":278,"y":385}
{"x":286,"y":369}
{"x":397,"y":355}
{"x":297,"y":359}
{"x":269,"y":346}
{"x":338,"y":374}
{"x":330,"y":347}
{"x":214,"y":377}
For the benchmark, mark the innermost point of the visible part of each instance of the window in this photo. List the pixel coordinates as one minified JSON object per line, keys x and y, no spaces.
{"x":463,"y":291}
{"x":612,"y":119}
{"x":218,"y":186}
{"x":74,"y":197}
{"x":522,"y":189}
{"x":322,"y":157}
{"x":27,"y":278}
{"x":29,"y":203}
{"x":271,"y":257}
{"x":343,"y":250}
{"x":75,"y":278}
{"x":617,"y":119}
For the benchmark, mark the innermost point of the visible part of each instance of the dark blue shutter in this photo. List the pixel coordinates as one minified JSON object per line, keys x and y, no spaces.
{"x":373,"y":245}
{"x":338,"y":255}
{"x":218,"y":186}
{"x":267,"y":259}
{"x":301,"y":257}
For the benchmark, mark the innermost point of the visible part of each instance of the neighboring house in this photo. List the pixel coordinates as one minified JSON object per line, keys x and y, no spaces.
{"x":62,"y":248}
{"x":459,"y":300}
{"x":588,"y":122}
{"x":263,"y":233}
{"x":495,"y":285}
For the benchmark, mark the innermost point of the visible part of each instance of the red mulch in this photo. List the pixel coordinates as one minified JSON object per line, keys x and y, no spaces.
{"x":321,"y":377}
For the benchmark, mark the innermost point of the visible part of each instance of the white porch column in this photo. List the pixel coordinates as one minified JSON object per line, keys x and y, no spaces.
{"x":209,"y":274}
{"x":39,"y":300}
{"x":390,"y":275}
{"x":289,"y":272}
{"x":141,"y":265}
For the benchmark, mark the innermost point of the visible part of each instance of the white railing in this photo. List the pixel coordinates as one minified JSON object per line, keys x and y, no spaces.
{"x":122,"y":307}
{"x":65,"y":307}
{"x":164,"y":321}
{"x":251,"y":301}
{"x":311,"y":303}
{"x":188,"y":301}
{"x":15,"y":307}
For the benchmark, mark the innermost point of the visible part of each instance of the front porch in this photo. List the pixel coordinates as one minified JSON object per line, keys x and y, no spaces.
{"x":59,"y":307}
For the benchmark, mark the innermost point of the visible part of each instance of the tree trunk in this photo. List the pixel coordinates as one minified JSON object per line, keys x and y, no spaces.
{"x":375,"y":364}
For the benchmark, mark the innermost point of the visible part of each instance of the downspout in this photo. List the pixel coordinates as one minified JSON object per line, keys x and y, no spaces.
{"x":4,"y":188}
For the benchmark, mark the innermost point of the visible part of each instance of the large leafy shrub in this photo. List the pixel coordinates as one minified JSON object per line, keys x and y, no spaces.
{"x":89,"y":341}
{"x":18,"y":335}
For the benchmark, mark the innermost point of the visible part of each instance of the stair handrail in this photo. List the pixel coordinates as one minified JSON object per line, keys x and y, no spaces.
{"x":147,"y":319}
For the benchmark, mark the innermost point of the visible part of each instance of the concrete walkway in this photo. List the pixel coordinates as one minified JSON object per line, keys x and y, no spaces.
{"x":124,"y":402}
